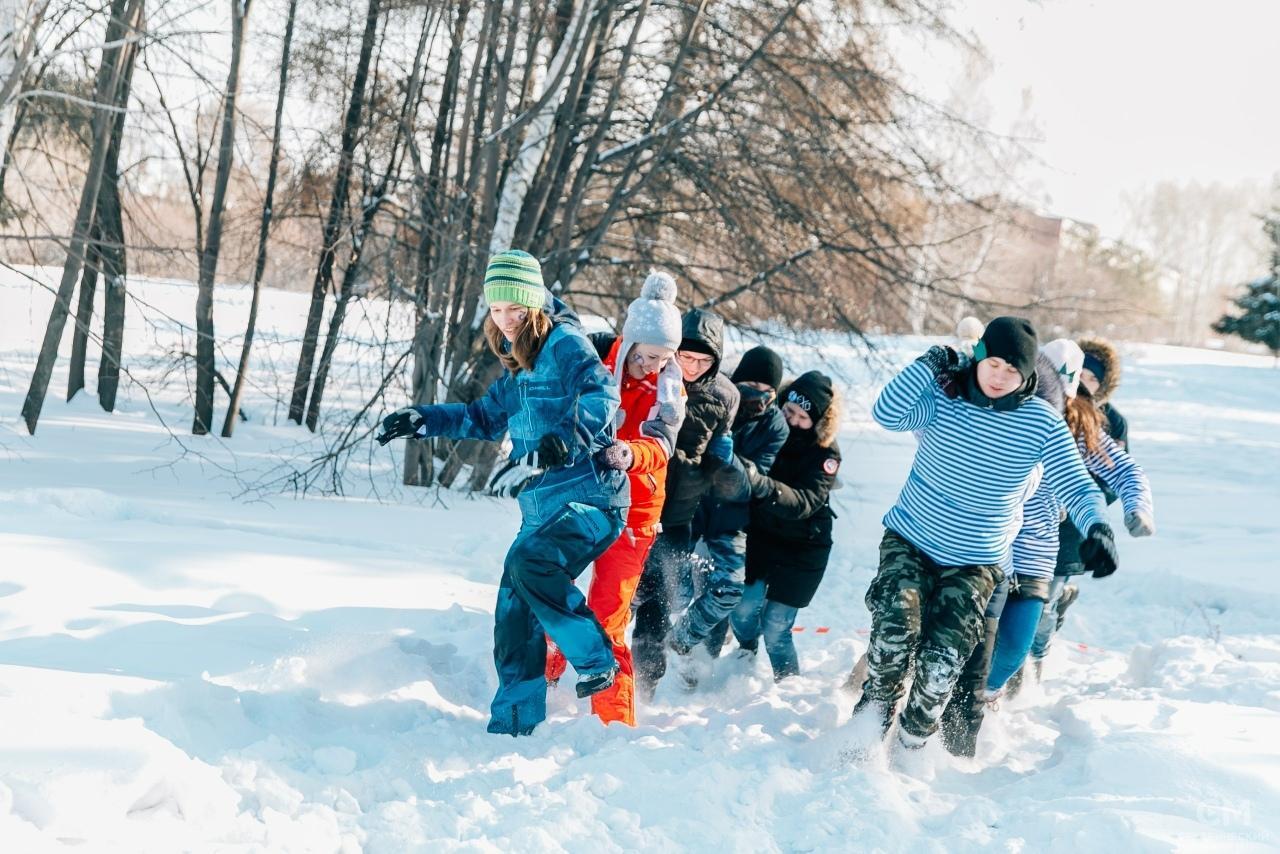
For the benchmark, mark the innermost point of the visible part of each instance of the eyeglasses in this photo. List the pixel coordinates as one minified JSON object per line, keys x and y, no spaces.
{"x":694,"y":358}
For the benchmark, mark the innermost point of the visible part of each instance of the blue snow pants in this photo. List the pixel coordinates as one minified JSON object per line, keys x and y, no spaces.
{"x":537,"y":597}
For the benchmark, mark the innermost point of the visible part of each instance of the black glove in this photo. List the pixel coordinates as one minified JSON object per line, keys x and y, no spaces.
{"x":552,"y":451}
{"x":402,"y":422}
{"x":760,"y":485}
{"x":1098,"y":551}
{"x":939,"y":360}
{"x":617,"y":456}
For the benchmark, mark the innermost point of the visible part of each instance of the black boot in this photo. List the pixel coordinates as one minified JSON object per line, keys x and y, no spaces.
{"x":962,"y":718}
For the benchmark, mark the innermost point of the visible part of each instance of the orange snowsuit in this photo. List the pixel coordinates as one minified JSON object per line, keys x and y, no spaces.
{"x":617,"y":571}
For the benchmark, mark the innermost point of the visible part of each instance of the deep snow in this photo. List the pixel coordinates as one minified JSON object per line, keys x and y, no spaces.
{"x":184,"y":666}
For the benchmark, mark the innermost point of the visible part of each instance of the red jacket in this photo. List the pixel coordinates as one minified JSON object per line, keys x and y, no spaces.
{"x":648,"y":474}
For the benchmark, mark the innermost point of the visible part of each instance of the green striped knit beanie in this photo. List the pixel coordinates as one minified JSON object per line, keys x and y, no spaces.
{"x":514,"y":276}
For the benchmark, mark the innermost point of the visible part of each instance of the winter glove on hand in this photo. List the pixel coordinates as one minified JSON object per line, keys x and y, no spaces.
{"x":1140,"y":523}
{"x":939,"y":359}
{"x":514,"y":476}
{"x":662,"y":431}
{"x":617,"y":456}
{"x":552,"y":451}
{"x":1098,"y":551}
{"x":760,"y":486}
{"x":402,"y":422}
{"x":720,"y":448}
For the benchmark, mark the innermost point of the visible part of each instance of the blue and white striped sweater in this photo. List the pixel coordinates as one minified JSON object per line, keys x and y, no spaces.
{"x":1035,"y":549}
{"x":963,"y":499}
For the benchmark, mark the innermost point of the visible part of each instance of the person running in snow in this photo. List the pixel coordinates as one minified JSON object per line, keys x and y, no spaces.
{"x":789,"y":539}
{"x":1015,"y":608}
{"x":982,"y":434}
{"x":557,"y":402}
{"x":667,"y":581}
{"x":1099,"y":379}
{"x":759,"y":431}
{"x":652,"y":390}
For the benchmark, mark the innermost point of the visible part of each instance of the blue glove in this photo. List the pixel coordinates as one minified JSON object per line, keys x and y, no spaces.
{"x":720,"y":448}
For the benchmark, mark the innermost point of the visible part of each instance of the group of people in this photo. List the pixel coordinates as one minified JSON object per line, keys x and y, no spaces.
{"x":704,"y":502}
{"x":631,"y":450}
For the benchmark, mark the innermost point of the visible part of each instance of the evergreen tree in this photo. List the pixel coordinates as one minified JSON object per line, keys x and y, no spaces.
{"x":1259,"y":318}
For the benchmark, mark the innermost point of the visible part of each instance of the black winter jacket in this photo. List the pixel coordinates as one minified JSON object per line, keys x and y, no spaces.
{"x":709,"y":411}
{"x":789,"y":539}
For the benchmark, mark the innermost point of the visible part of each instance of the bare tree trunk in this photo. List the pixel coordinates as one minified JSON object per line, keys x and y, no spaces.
{"x":205,"y":358}
{"x":84,"y":308}
{"x":109,"y":75}
{"x":264,"y":228}
{"x":114,"y":275}
{"x":17,"y":40}
{"x":333,"y":224}
{"x":106,"y":254}
{"x":429,"y":326}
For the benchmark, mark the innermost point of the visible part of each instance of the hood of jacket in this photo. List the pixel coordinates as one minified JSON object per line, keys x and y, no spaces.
{"x":1104,"y":352}
{"x":706,"y":327}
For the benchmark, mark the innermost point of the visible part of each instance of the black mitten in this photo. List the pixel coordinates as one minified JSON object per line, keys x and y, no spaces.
{"x":1098,"y":551}
{"x":939,"y":359}
{"x":552,"y":451}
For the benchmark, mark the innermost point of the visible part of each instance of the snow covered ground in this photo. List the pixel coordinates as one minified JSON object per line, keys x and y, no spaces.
{"x":187,"y":667}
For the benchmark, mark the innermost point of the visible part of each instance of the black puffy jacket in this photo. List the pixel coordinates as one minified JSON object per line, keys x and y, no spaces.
{"x":789,"y":539}
{"x":709,"y":411}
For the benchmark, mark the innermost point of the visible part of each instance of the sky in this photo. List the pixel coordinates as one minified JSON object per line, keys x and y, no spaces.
{"x":1127,"y":93}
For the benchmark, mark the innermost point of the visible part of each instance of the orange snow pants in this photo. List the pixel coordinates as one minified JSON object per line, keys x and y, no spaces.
{"x":613,"y":585}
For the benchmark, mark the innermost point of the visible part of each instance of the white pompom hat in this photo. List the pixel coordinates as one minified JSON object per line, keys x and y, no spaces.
{"x":1068,"y":359}
{"x":653,"y":318}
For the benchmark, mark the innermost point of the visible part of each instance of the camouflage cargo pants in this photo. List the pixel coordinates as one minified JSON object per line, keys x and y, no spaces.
{"x":930,"y":612}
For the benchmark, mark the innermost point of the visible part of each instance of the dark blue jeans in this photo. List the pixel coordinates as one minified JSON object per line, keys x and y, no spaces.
{"x":756,"y":616}
{"x":537,"y":597}
{"x":1018,"y":624}
{"x":722,"y":580}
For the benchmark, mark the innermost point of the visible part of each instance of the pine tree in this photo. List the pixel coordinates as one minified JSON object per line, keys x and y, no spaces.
{"x":1259,"y":318}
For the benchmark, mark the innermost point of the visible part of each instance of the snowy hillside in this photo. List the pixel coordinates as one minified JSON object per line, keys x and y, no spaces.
{"x":187,"y":666}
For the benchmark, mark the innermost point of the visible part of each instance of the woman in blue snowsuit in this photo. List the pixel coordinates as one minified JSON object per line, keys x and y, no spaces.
{"x":557,"y":402}
{"x":1015,"y":608}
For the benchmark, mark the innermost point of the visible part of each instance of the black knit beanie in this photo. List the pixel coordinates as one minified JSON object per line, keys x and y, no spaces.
{"x":759,"y":365}
{"x":812,"y":392}
{"x":1012,"y":339}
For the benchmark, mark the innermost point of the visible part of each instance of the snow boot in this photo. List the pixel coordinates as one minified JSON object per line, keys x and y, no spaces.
{"x":1014,"y":685}
{"x":594,"y":683}
{"x":1070,"y":593}
{"x":853,"y":684}
{"x":684,"y":662}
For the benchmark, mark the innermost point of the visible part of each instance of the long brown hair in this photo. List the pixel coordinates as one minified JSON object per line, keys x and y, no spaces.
{"x":521,"y":353}
{"x":1084,"y":420}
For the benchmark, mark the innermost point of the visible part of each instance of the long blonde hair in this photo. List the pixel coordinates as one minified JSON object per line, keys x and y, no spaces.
{"x":521,"y":353}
